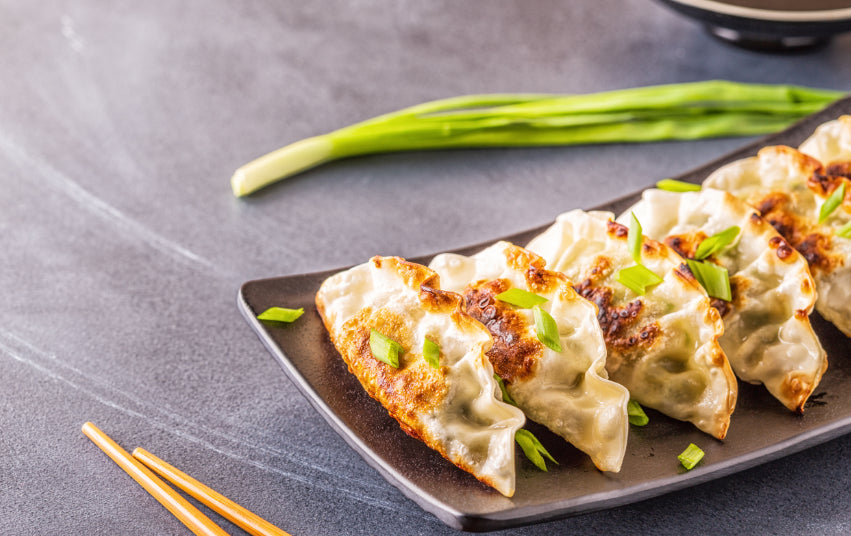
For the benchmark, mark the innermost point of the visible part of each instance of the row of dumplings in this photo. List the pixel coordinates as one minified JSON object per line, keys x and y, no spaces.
{"x":673,"y":349}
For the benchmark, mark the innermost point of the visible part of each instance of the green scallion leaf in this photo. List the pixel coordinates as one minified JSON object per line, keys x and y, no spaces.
{"x":844,"y":231}
{"x":671,"y":185}
{"x":690,"y":456}
{"x":281,"y":314}
{"x":521,"y":298}
{"x":533,"y":449}
{"x":637,"y":278}
{"x":546,"y":329}
{"x":634,"y":238}
{"x":716,"y":242}
{"x":384,"y":348}
{"x":713,"y":278}
{"x":431,"y":352}
{"x":832,"y":203}
{"x":636,"y":414}
{"x":675,"y":111}
{"x":505,"y":396}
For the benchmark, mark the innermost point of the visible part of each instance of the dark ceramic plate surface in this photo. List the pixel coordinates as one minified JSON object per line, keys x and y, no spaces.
{"x":761,"y":428}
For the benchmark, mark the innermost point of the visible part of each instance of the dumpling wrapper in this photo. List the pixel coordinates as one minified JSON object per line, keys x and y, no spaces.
{"x":565,"y":391}
{"x":788,"y":188}
{"x":831,"y":142}
{"x":767,"y":337}
{"x":662,"y":346}
{"x":456,"y":409}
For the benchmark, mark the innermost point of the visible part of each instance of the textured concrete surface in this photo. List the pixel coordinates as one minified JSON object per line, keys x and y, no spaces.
{"x":123,"y":248}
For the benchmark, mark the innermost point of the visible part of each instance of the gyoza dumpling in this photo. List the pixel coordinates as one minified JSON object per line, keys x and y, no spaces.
{"x":789,"y":188}
{"x":830,"y":144}
{"x":565,"y":390}
{"x":662,"y":346}
{"x":457,"y":408}
{"x":767,"y":333}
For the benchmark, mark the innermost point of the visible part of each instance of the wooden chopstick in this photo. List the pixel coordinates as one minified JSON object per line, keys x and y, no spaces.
{"x":173,"y":501}
{"x":245,"y":519}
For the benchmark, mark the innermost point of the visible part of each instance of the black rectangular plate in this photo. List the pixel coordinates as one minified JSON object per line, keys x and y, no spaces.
{"x":761,"y":428}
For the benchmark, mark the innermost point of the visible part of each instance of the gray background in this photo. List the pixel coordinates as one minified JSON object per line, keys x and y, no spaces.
{"x":123,"y":248}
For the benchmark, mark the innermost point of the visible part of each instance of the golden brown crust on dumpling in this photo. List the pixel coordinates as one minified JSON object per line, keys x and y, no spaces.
{"x":405,"y":392}
{"x":662,"y":345}
{"x":565,"y":390}
{"x":452,"y":408}
{"x":814,"y":244}
{"x":514,"y":353}
{"x":767,"y":338}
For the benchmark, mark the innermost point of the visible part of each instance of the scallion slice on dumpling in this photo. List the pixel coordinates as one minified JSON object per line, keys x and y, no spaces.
{"x":790,"y":189}
{"x":566,"y":391}
{"x":456,"y":407}
{"x":767,"y":333}
{"x":663,"y":345}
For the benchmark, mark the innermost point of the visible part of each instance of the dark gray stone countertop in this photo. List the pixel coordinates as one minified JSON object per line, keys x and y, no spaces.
{"x":123,"y":248}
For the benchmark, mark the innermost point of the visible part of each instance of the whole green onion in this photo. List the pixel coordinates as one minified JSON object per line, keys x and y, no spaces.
{"x":674,"y":111}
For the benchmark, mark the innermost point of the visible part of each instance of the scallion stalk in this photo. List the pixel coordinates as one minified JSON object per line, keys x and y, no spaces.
{"x":674,"y":111}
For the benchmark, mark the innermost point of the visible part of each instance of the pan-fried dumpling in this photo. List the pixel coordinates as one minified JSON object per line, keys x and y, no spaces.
{"x":566,"y":391}
{"x":456,"y":408}
{"x":830,"y":144}
{"x":789,"y":188}
{"x":767,"y":333}
{"x":662,"y":346}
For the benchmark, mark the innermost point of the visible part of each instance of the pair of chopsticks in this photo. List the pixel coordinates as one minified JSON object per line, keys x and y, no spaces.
{"x":142,"y":465}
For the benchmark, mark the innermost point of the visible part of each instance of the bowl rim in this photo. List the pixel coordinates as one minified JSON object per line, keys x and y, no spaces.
{"x":820,"y":15}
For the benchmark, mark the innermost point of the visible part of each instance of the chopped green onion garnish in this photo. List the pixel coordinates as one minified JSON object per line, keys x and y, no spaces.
{"x":716,"y":243}
{"x":832,"y":203}
{"x":634,"y":238}
{"x":431,"y":353}
{"x":384,"y":348}
{"x":546,"y":329}
{"x":671,"y":185}
{"x":637,"y":278}
{"x":280,"y":314}
{"x":844,"y":231}
{"x":521,"y":298}
{"x":505,"y":396}
{"x":690,"y":456}
{"x":713,"y":278}
{"x":533,"y":449}
{"x":636,"y":414}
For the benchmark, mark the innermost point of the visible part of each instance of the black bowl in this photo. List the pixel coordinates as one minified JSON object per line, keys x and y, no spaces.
{"x":772,"y":25}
